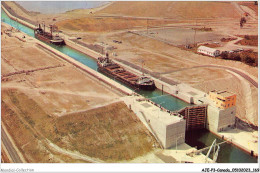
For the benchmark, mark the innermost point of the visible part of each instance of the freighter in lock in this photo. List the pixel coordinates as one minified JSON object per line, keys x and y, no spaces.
{"x":41,"y":34}
{"x":112,"y":69}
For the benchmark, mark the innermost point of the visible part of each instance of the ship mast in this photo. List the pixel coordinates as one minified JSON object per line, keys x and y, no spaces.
{"x":142,"y":69}
{"x":51,"y":29}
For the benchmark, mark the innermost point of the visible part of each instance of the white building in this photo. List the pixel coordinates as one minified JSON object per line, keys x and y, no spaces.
{"x":208,"y":51}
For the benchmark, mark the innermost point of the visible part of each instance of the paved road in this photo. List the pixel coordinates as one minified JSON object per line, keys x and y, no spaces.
{"x":10,"y":148}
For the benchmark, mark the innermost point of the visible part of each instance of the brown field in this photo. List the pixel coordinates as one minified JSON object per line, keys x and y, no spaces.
{"x":182,"y":36}
{"x":29,"y":143}
{"x":176,"y":10}
{"x":251,"y":5}
{"x":110,"y":133}
{"x":106,"y":24}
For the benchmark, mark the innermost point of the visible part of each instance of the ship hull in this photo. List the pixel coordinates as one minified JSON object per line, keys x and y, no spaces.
{"x":48,"y":40}
{"x":133,"y":85}
{"x":61,"y":43}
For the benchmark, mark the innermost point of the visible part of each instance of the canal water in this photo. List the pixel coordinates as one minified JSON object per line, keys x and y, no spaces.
{"x":228,"y":153}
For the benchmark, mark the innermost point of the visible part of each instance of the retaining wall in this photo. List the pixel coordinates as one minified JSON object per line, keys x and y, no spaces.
{"x":17,"y":19}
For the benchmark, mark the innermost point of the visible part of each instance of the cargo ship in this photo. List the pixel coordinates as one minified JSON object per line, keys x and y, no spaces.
{"x":41,"y":34}
{"x":112,"y":69}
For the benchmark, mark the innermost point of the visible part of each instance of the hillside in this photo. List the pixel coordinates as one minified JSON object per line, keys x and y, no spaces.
{"x":178,"y":10}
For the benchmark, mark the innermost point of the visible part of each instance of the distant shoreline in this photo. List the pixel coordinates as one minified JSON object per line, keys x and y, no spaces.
{"x":51,"y":7}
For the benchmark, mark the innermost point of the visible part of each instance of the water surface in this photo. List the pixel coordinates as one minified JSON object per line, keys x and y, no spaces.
{"x":51,"y":7}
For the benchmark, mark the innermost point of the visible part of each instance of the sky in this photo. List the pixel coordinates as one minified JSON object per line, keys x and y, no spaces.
{"x":58,"y":6}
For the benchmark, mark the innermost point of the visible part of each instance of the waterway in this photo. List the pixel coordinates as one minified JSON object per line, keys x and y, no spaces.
{"x":228,"y":153}
{"x":200,"y":139}
{"x":167,"y":101}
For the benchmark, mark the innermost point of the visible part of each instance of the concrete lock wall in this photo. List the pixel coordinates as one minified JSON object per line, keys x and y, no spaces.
{"x":226,"y":118}
{"x":220,"y":119}
{"x":212,"y":119}
{"x":168,"y":134}
{"x":160,"y":130}
{"x":175,"y":134}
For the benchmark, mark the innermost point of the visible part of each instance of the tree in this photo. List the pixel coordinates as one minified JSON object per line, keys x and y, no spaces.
{"x":224,"y":55}
{"x":242,"y":21}
{"x":247,"y":37}
{"x":250,"y":60}
{"x":234,"y":56}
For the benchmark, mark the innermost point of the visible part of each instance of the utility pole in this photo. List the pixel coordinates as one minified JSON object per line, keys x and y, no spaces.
{"x":146,"y":26}
{"x":195,"y":33}
{"x":142,"y":69}
{"x":162,"y":89}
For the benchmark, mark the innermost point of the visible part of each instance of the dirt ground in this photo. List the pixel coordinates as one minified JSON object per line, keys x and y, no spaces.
{"x":171,"y":9}
{"x":33,"y":102}
{"x":54,"y":89}
{"x":106,"y":24}
{"x":182,"y":36}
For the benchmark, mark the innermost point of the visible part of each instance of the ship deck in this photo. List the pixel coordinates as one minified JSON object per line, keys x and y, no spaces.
{"x":122,"y":73}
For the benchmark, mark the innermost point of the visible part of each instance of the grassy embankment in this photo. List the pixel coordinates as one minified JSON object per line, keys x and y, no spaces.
{"x":111,"y":133}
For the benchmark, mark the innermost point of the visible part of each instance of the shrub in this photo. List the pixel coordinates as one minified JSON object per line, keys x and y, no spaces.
{"x":224,"y":55}
{"x":248,"y":57}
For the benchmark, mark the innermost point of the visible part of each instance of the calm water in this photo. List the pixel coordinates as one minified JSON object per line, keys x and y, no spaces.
{"x":167,"y":101}
{"x":58,"y":6}
{"x":228,"y":153}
